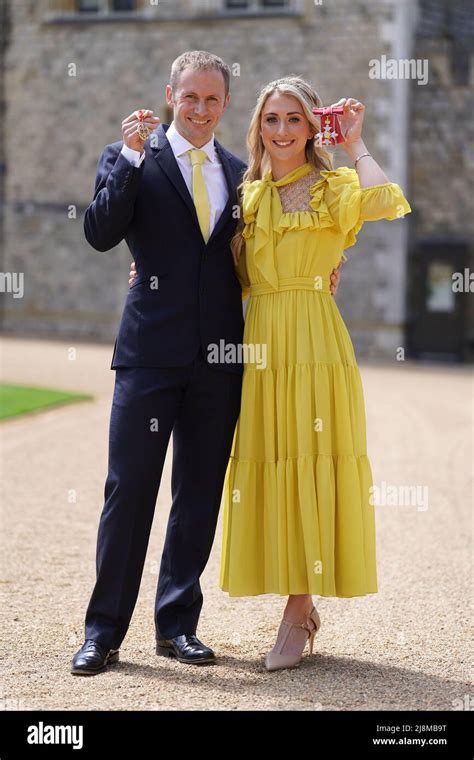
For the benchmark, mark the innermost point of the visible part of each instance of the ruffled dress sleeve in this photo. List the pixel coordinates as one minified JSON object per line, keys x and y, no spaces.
{"x":350,"y":205}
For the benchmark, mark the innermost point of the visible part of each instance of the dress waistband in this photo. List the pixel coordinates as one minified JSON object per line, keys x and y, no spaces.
{"x":292,"y":283}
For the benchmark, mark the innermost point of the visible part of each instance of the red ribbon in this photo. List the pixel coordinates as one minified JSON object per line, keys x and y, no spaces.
{"x":331,"y":132}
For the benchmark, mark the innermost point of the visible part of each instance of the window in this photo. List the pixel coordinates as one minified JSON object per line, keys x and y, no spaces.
{"x":255,"y":4}
{"x":460,"y":65}
{"x":94,"y":6}
{"x":88,"y":6}
{"x":439,"y":287}
{"x":123,"y":5}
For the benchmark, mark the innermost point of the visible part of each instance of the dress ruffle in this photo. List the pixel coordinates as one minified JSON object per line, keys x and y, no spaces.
{"x":300,"y":526}
{"x":261,"y":203}
{"x":351,"y":205}
{"x":337,"y":200}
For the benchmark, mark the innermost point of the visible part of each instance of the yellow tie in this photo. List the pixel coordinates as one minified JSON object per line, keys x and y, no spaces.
{"x":201,"y":200}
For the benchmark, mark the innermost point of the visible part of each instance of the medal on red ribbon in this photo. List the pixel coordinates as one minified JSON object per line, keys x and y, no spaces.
{"x":330,"y":130}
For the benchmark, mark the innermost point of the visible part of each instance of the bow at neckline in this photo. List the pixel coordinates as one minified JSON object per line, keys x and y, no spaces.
{"x":262,"y":204}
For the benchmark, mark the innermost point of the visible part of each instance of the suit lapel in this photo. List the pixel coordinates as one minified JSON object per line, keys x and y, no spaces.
{"x":231,"y":187}
{"x":162,"y":152}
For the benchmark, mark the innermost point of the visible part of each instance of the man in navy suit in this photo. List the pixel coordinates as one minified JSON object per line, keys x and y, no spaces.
{"x":185,"y":299}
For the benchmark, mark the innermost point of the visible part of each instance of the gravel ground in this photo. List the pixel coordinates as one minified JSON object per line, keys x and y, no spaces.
{"x":403,"y":648}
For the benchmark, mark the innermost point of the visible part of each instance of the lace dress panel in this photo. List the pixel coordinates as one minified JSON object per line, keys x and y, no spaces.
{"x":296,"y":195}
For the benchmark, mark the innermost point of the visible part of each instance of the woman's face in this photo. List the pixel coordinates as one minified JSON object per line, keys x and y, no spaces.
{"x":285,"y":128}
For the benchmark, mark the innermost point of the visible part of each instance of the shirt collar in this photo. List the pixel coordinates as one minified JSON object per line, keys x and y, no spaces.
{"x":180,"y":145}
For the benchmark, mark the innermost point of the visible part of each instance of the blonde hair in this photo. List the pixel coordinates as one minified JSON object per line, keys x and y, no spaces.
{"x":259,"y":161}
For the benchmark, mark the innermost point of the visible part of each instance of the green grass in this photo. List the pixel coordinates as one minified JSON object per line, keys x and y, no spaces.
{"x":21,"y":399}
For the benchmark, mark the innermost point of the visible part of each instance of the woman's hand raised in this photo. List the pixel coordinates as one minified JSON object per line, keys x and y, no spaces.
{"x":351,"y":120}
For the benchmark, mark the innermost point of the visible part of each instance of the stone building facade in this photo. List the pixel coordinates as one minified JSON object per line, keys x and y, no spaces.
{"x":73,"y":69}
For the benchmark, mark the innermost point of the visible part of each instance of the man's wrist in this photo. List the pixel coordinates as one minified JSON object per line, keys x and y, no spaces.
{"x":134,"y":156}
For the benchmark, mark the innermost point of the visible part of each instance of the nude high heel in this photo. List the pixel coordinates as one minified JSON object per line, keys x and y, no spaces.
{"x":293,"y":637}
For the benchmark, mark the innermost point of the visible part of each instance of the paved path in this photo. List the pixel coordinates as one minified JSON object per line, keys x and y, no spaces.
{"x":403,"y":648}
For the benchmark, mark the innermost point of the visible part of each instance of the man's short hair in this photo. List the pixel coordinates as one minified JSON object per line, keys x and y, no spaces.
{"x":199,"y":59}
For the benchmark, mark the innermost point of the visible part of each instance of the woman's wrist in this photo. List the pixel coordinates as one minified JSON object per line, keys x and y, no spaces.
{"x":355,"y":148}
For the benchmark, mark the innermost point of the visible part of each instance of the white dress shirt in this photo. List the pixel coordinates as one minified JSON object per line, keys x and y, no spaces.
{"x":212,"y":170}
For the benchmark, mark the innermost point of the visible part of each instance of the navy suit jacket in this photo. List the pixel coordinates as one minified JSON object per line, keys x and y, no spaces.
{"x":186,"y":294}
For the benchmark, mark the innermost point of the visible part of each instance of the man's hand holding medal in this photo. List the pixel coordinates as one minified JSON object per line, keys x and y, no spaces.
{"x":137,"y":127}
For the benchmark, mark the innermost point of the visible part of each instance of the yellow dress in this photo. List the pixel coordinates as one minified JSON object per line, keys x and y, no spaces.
{"x":298,"y":517}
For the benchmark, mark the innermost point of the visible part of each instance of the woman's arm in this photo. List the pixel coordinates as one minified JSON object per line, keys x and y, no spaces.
{"x":351,"y":122}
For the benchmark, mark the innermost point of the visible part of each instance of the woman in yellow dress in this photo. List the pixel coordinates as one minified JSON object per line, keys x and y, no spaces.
{"x":298,"y":518}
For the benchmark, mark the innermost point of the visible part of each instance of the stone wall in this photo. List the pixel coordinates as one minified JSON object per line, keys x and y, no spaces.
{"x":58,"y":124}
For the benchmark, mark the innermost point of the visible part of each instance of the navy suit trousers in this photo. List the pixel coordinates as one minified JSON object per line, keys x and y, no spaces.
{"x":200,"y":405}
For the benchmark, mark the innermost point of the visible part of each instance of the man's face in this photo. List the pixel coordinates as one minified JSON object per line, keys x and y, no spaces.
{"x":198,"y":103}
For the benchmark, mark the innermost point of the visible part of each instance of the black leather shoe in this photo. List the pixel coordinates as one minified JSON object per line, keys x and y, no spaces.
{"x":92,"y":658}
{"x":186,"y":648}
